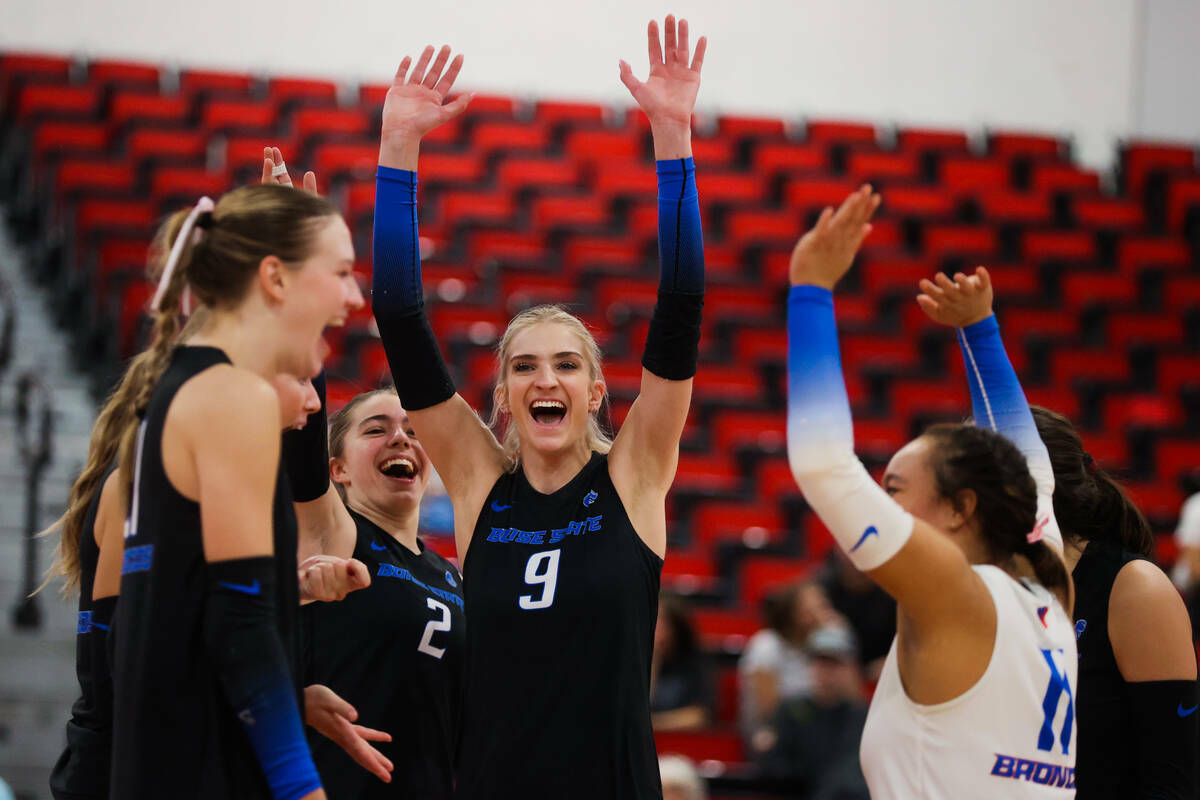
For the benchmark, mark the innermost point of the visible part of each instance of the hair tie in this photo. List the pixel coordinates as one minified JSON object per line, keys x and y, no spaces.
{"x":203,"y":205}
{"x":1039,"y":530}
{"x":204,"y":220}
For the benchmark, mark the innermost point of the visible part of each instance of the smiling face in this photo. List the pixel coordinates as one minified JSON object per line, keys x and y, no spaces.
{"x":381,"y":465}
{"x":321,"y":291}
{"x":548,"y":388}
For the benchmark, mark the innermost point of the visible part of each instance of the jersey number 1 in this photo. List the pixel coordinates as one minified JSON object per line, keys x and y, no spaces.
{"x":542,"y":568}
{"x":1059,"y":685}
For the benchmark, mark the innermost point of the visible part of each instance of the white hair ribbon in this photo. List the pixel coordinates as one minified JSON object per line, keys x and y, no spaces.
{"x":185,"y":231}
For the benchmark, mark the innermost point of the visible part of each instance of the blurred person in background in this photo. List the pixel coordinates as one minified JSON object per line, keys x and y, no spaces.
{"x":680,"y":687}
{"x":774,"y":666}
{"x":870,"y":611}
{"x":814,"y":740}
{"x":1186,"y":574}
{"x":680,"y":780}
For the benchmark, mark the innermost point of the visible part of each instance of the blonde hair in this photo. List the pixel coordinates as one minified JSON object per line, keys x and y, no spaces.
{"x":597,"y":439}
{"x":118,"y":413}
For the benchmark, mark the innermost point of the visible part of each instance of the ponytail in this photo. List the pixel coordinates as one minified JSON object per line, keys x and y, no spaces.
{"x":1088,"y":503}
{"x":1050,"y":570}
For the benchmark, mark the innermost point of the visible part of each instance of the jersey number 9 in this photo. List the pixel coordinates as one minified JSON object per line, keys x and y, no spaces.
{"x":542,"y":568}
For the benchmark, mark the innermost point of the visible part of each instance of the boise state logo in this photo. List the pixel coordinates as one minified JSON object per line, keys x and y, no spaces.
{"x":590,"y":498}
{"x":1080,"y":627}
{"x":450,"y":578}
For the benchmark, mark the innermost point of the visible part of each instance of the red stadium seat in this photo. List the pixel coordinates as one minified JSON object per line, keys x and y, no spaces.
{"x":501,"y":135}
{"x":755,"y":525}
{"x":308,"y":122}
{"x":1104,"y":212}
{"x":587,"y":145}
{"x":188,"y":182}
{"x":1081,"y":289}
{"x":194,"y":81}
{"x":554,"y":112}
{"x":832,"y":131}
{"x":759,"y":574}
{"x":1183,"y":194}
{"x":687,"y":573}
{"x":919,"y":139}
{"x":576,"y":211}
{"x":1129,"y":328}
{"x":771,"y":157}
{"x":477,"y":206}
{"x":1076,"y":245}
{"x":234,"y":114}
{"x":1021,"y":207}
{"x":128,"y":215}
{"x":95,"y":177}
{"x":806,"y":194}
{"x":1070,"y":364}
{"x":1057,"y":177}
{"x":148,"y":143}
{"x":975,"y":240}
{"x":537,"y":171}
{"x":246,"y":152}
{"x":34,"y":65}
{"x":337,"y":160}
{"x":307,"y":90}
{"x":125,"y":73}
{"x":1137,"y":253}
{"x":897,"y":273}
{"x":1176,"y":370}
{"x":965,"y":174}
{"x":734,"y":428}
{"x":147,"y":106}
{"x":875,"y":166}
{"x":1139,"y":159}
{"x":1125,"y":411}
{"x":735,"y":127}
{"x":58,"y":101}
{"x":918,"y":201}
{"x":1036,"y":145}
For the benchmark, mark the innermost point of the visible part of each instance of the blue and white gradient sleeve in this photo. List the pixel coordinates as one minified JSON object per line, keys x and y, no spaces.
{"x":998,"y":402}
{"x":867,"y":524}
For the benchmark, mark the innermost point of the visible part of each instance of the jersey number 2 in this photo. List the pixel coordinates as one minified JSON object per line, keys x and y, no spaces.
{"x":434,"y":626}
{"x":542,"y":568}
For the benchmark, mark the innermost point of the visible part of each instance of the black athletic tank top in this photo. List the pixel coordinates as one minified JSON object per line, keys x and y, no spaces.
{"x":562,"y":595}
{"x":82,"y":769}
{"x":395,"y":651}
{"x":1104,"y":767}
{"x":174,"y":733}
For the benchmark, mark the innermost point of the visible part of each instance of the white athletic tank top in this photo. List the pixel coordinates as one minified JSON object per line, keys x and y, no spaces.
{"x":1011,"y":735}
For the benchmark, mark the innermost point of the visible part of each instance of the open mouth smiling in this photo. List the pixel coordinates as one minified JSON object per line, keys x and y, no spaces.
{"x":548,"y":413}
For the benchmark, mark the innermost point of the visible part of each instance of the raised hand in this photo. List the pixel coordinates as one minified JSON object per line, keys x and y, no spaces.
{"x":669,"y":94}
{"x":416,"y":104}
{"x":329,"y":579}
{"x":825,"y":253}
{"x":960,"y":302}
{"x":273,"y":157}
{"x":334,"y":718}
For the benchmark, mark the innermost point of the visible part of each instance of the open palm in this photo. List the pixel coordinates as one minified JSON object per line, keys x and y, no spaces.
{"x":669,"y":94}
{"x":415,"y":104}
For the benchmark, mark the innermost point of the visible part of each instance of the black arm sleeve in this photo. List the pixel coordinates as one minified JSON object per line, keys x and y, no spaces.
{"x":306,"y":453}
{"x":1166,"y":736}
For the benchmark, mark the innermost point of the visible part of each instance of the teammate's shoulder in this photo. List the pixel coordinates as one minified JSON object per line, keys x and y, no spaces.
{"x":1141,"y":586}
{"x":229,"y":391}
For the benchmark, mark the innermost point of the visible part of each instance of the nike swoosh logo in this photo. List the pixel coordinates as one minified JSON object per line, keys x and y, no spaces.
{"x":109,"y":627}
{"x":871,"y":531}
{"x":497,"y":507}
{"x":375,"y":546}
{"x":250,"y":588}
{"x":1181,"y":711}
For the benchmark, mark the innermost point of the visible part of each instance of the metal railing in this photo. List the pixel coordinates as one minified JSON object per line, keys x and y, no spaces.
{"x":35,"y":444}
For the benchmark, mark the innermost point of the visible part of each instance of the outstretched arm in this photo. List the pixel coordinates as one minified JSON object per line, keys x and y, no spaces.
{"x":462,"y":449}
{"x":997,"y":400}
{"x":646,"y":452}
{"x":928,"y":574}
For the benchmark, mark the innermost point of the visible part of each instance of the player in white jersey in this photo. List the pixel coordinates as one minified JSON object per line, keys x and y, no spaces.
{"x":976,"y":697}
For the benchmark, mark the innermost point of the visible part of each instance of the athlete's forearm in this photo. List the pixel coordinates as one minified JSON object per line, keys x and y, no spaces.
{"x":672,"y":346}
{"x":864,"y":521}
{"x":998,"y":402}
{"x":398,"y":301}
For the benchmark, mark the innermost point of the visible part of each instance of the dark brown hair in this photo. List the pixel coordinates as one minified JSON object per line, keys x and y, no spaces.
{"x":967,"y":457}
{"x":1088,"y":503}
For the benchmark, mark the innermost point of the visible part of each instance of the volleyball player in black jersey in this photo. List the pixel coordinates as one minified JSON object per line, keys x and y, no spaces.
{"x":205,"y":677}
{"x":395,"y":649}
{"x":1136,"y":698}
{"x":560,"y":533}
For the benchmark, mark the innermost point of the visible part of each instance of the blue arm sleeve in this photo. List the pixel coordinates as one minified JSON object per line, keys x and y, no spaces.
{"x":818,"y":406}
{"x":396,"y":272}
{"x":244,"y":645}
{"x":998,"y":402}
{"x":680,"y":239}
